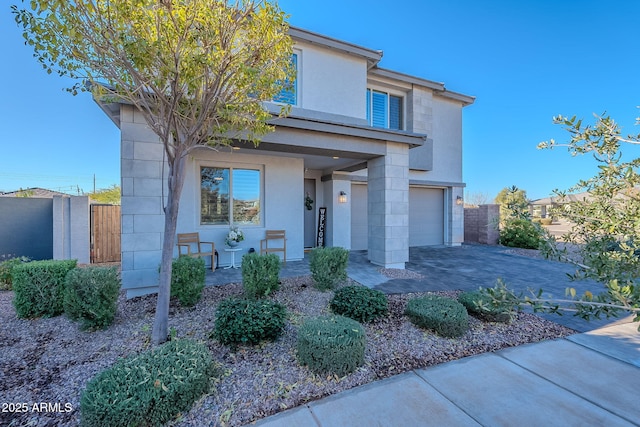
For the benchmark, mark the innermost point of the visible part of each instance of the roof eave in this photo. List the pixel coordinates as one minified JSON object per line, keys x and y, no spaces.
{"x":372,"y":56}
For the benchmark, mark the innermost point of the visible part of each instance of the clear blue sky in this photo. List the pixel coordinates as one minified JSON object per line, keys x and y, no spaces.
{"x":524,"y":61}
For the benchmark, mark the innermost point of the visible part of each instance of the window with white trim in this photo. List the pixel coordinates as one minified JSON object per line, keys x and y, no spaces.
{"x":230,"y":196}
{"x":384,"y":110}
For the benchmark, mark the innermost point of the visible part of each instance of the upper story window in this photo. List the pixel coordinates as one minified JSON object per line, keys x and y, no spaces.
{"x":384,"y":110}
{"x":289,"y":94}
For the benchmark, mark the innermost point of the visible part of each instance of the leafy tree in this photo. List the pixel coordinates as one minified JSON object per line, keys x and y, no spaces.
{"x":513,"y":203}
{"x":606,"y":223}
{"x":516,"y":227}
{"x":197,"y":70}
{"x":109,"y":195}
{"x":606,"y":226}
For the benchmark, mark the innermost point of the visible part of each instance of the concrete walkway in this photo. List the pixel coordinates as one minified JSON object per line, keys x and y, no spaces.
{"x":589,"y":379}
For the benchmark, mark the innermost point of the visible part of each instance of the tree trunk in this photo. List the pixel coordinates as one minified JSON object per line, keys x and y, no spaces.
{"x":175,"y":183}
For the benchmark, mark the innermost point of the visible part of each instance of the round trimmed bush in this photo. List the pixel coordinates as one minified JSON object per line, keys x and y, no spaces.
{"x":328,"y":266}
{"x":521,"y":233}
{"x":480,"y":305}
{"x":260,"y":275}
{"x":240,"y":321}
{"x":38,"y":287}
{"x":447,"y":317}
{"x":187,"y":279}
{"x":150,"y":388}
{"x":91,"y":296}
{"x":359,"y":303}
{"x":331,"y":344}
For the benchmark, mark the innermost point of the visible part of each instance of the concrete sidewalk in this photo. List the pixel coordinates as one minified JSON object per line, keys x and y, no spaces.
{"x":588,"y":379}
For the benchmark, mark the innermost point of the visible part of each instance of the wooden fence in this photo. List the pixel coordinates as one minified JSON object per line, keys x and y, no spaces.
{"x":105,"y":233}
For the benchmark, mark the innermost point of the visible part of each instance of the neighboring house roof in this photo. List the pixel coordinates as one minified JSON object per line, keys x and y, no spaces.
{"x":555,"y":200}
{"x":33,"y":192}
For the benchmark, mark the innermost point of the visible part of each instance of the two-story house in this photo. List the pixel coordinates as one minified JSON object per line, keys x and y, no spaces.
{"x":380,"y":150}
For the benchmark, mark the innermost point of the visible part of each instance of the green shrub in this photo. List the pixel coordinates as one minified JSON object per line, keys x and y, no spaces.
{"x":331,"y":344}
{"x":260,"y":274}
{"x":328,"y":266}
{"x":240,"y":321}
{"x":359,"y":303}
{"x":91,"y":295}
{"x":150,"y":388}
{"x":187,"y":279}
{"x":521,"y":233}
{"x":483,"y":306}
{"x":38,"y":287}
{"x":447,"y":317}
{"x":6,"y":267}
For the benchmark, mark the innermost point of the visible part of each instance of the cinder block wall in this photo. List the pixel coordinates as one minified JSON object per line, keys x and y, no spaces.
{"x":481,"y":224}
{"x":471,"y":216}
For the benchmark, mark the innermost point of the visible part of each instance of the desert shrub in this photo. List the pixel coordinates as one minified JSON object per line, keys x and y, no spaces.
{"x":150,"y":388}
{"x":38,"y":287}
{"x":521,"y":233}
{"x":483,"y":306}
{"x":241,"y":321}
{"x":328,"y":266}
{"x":260,"y":274}
{"x":187,"y":279}
{"x":6,"y":267}
{"x":546,"y":221}
{"x":359,"y":303}
{"x":331,"y":344}
{"x":447,"y":317}
{"x":91,"y":295}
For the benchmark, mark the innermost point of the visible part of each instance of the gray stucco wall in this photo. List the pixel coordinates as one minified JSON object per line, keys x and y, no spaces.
{"x":26,"y":227}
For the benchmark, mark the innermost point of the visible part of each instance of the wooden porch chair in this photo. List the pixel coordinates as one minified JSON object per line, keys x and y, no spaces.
{"x":271,"y":236}
{"x":192,"y":241}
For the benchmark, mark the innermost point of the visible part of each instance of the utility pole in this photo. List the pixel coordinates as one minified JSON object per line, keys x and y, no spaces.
{"x":94,"y":183}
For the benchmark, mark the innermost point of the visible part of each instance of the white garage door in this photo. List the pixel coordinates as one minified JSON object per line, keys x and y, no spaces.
{"x":426,"y":216}
{"x":359,"y":224}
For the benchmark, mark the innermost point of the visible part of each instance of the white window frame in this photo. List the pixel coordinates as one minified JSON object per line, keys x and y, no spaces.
{"x":388,"y":92}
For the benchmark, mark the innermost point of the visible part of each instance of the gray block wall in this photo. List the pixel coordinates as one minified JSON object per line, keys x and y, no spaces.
{"x":481,"y":224}
{"x":26,"y":227}
{"x":71,"y":228}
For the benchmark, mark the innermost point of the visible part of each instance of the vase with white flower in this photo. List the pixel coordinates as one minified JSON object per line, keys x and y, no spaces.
{"x":234,"y":237}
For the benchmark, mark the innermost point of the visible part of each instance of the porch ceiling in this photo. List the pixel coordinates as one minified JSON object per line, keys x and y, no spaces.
{"x":335,"y":160}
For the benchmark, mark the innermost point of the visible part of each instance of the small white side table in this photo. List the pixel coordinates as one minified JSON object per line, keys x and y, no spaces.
{"x":233,"y":257}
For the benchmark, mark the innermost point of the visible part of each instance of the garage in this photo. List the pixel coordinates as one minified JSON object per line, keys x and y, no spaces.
{"x":426,"y":216}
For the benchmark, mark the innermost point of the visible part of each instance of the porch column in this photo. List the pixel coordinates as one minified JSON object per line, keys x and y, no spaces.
{"x":388,"y":207}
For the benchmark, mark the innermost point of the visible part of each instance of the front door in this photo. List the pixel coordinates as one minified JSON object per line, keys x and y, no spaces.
{"x":310,"y":214}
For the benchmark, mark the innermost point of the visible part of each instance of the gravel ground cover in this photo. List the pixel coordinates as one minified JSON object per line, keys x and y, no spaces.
{"x":50,"y":360}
